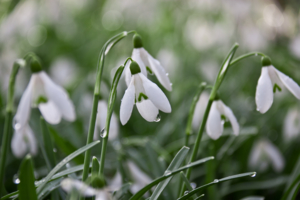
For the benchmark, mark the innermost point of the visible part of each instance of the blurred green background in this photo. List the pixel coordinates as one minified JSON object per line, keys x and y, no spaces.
{"x":190,"y":38}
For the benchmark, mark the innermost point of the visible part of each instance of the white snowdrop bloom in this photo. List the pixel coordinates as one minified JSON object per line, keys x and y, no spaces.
{"x":291,"y":126}
{"x":101,"y":120}
{"x":147,"y":64}
{"x":214,"y":124}
{"x":51,"y":99}
{"x":200,"y":109}
{"x":264,"y":153}
{"x":147,"y":96}
{"x":270,"y":80}
{"x":23,"y":141}
{"x":253,"y":198}
{"x":69,"y":184}
{"x":140,"y":178}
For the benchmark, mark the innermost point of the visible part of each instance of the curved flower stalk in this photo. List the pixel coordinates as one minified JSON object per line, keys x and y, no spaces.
{"x":270,"y":80}
{"x":147,"y":64}
{"x":52,"y":101}
{"x":101,"y":121}
{"x":291,"y":126}
{"x":214,"y":125}
{"x":264,"y":153}
{"x":83,"y":189}
{"x":147,"y":96}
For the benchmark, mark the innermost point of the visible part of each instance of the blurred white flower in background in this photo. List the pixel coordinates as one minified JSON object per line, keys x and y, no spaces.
{"x":140,"y":178}
{"x":291,"y":126}
{"x":199,"y":110}
{"x":24,"y":141}
{"x":214,"y":124}
{"x":63,"y":70}
{"x":253,"y":198}
{"x":294,"y":46}
{"x":101,"y":120}
{"x":269,"y":81}
{"x":147,"y":96}
{"x":83,"y":189}
{"x":263,"y":154}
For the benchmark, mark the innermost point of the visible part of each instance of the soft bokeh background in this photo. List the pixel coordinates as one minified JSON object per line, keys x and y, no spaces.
{"x":190,"y":38}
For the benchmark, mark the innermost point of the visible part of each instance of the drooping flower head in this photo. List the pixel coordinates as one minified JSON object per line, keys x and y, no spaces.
{"x":147,"y":96}
{"x":52,"y":101}
{"x":147,"y":64}
{"x":264,"y":153}
{"x":269,"y":81}
{"x":214,"y":124}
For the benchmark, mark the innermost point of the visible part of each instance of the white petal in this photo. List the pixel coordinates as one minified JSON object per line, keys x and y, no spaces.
{"x":291,"y":126}
{"x":229,"y":115}
{"x":32,"y":144}
{"x":18,"y":145}
{"x":275,"y":156}
{"x":289,"y":83}
{"x":69,"y":184}
{"x":23,"y":112}
{"x":59,"y":97}
{"x":127,"y":103}
{"x":255,"y":155}
{"x":127,"y":73}
{"x":264,"y":91}
{"x":155,"y":94}
{"x":50,"y":112}
{"x":214,"y":127}
{"x":114,"y":127}
{"x":116,"y":182}
{"x":160,"y":73}
{"x":138,"y":175}
{"x":200,"y":109}
{"x":148,"y":111}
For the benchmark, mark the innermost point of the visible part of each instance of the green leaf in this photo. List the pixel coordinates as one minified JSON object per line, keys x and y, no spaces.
{"x":216,"y":181}
{"x":63,"y":162}
{"x":26,"y":176}
{"x":186,"y":181}
{"x":141,"y":192}
{"x":176,"y":162}
{"x":95,"y":165}
{"x":48,"y":146}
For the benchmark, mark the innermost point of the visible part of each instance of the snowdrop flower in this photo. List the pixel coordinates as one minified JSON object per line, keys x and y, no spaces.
{"x":264,"y":153}
{"x":51,"y":99}
{"x":291,"y":126}
{"x":147,"y":64}
{"x":23,"y":140}
{"x":200,"y":109}
{"x":214,"y":124}
{"x":69,"y":185}
{"x":101,"y":120}
{"x":147,"y":96}
{"x":270,"y":80}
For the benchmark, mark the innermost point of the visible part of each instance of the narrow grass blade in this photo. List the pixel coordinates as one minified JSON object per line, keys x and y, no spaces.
{"x":26,"y":176}
{"x":63,"y":162}
{"x":176,"y":162}
{"x":202,"y":195}
{"x":216,"y":181}
{"x":141,"y":192}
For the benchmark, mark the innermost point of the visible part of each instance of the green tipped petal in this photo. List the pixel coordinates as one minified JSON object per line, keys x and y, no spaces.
{"x":134,"y":68}
{"x":137,"y":41}
{"x":35,"y":66}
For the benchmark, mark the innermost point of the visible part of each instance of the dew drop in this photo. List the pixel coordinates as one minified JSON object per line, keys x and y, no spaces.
{"x":158,"y":118}
{"x":167,"y":173}
{"x":216,"y":181}
{"x":167,"y":74}
{"x":256,"y":54}
{"x":257,"y":109}
{"x":193,"y":185}
{"x":186,"y":192}
{"x":16,"y":125}
{"x":254,"y":174}
{"x":103,"y":133}
{"x":16,"y":179}
{"x":222,"y":121}
{"x":171,"y":84}
{"x":54,"y":150}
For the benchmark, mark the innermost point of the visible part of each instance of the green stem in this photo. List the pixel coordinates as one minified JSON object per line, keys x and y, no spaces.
{"x":245,"y":56}
{"x":111,"y":102}
{"x":93,"y":117}
{"x":8,"y":120}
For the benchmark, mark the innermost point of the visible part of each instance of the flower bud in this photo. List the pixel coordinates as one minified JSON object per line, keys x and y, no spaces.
{"x":266,"y":61}
{"x":137,"y":41}
{"x":134,"y":68}
{"x":35,"y":65}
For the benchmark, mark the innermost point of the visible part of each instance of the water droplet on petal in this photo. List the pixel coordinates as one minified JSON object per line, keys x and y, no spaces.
{"x":167,"y":172}
{"x":222,"y":121}
{"x":216,"y":181}
{"x":16,"y":179}
{"x":16,"y":125}
{"x":257,"y":109}
{"x":171,"y":84}
{"x":254,"y":174}
{"x":167,"y":74}
{"x":157,"y":119}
